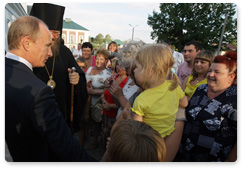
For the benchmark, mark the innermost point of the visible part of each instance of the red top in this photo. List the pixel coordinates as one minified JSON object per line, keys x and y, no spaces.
{"x":108,"y":97}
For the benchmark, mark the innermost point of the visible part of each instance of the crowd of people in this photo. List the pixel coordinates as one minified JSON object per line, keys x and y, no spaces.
{"x":142,"y":102}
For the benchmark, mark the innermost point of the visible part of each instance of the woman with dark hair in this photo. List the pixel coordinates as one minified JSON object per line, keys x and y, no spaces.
{"x":87,"y":49}
{"x":113,"y":47}
{"x":210,"y":132}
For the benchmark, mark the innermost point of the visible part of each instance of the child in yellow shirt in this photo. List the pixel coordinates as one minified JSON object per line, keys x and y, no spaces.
{"x":158,"y":104}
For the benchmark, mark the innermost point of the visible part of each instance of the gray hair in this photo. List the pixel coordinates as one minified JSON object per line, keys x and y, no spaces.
{"x":128,"y":51}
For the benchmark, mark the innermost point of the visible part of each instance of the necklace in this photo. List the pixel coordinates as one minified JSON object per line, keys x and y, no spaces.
{"x":198,"y":80}
{"x":51,"y":82}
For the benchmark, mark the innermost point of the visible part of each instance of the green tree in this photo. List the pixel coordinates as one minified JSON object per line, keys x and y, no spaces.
{"x":203,"y":22}
{"x":99,"y":39}
{"x":107,"y":38}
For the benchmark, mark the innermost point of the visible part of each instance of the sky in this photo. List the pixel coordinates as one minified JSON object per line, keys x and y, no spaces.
{"x":113,"y":18}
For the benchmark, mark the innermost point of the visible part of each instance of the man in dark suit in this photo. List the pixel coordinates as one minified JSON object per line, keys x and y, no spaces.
{"x":35,"y":129}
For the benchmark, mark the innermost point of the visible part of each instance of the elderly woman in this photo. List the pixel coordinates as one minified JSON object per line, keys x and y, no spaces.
{"x":97,"y":76}
{"x":210,"y":132}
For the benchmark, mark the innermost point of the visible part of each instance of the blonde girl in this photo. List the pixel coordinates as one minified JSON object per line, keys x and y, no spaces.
{"x":158,"y":104}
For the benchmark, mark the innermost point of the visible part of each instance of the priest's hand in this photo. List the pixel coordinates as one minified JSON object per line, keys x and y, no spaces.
{"x":73,"y":77}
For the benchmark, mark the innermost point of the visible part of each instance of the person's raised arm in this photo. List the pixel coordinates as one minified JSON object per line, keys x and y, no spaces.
{"x":137,"y":117}
{"x":118,"y":96}
{"x":183,"y":84}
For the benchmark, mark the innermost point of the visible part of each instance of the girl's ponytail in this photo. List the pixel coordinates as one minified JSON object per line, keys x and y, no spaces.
{"x":174,"y":78}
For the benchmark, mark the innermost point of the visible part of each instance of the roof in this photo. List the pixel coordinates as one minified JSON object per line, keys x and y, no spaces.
{"x":69,"y":24}
{"x":119,"y":42}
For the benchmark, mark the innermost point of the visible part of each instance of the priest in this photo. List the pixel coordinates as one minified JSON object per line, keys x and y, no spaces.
{"x":57,"y":71}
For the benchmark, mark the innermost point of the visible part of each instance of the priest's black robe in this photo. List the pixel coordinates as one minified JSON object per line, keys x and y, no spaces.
{"x":62,"y":90}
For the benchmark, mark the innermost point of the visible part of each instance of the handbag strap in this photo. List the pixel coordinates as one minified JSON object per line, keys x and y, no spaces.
{"x":98,"y":100}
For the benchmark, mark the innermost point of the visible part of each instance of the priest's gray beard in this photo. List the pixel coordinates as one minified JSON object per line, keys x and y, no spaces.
{"x":55,"y":47}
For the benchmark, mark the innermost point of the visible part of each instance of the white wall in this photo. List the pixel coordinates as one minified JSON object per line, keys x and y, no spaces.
{"x":12,"y":12}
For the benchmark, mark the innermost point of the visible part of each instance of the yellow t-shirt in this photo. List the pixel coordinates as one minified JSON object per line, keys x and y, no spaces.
{"x":158,"y":106}
{"x":189,"y":90}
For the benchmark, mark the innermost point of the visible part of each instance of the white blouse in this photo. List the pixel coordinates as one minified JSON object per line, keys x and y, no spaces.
{"x":97,"y":81}
{"x":128,"y":91}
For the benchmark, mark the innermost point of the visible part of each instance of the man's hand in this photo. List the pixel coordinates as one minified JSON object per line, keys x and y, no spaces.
{"x":73,"y":77}
{"x":115,"y":90}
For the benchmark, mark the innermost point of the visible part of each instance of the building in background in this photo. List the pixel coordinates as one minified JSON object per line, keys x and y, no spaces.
{"x":12,"y":12}
{"x":73,"y":33}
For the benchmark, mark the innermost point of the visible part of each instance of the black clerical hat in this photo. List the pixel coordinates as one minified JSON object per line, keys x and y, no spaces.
{"x":51,"y":14}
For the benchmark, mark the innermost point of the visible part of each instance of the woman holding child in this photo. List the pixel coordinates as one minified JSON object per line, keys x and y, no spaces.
{"x":151,"y":69}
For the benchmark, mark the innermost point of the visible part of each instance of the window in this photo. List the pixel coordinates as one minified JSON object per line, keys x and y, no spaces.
{"x":64,"y":37}
{"x":81,"y":38}
{"x":72,"y":38}
{"x":9,"y":23}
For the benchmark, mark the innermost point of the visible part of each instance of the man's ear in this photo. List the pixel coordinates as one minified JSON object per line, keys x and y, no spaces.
{"x":26,"y":43}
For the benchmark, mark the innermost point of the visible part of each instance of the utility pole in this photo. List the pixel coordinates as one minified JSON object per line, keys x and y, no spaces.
{"x":132,"y":30}
{"x":222,"y":33}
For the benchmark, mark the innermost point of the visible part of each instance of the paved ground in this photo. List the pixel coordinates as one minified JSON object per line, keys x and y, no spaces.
{"x":97,"y":153}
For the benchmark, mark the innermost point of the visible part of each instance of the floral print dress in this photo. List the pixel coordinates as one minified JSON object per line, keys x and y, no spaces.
{"x":210,"y":131}
{"x":97,"y":81}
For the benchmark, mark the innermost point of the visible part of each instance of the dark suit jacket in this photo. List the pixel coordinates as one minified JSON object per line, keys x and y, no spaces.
{"x":35,"y":129}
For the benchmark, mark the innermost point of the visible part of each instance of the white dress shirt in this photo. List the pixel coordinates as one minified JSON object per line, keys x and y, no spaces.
{"x":19,"y":59}
{"x":78,"y":53}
